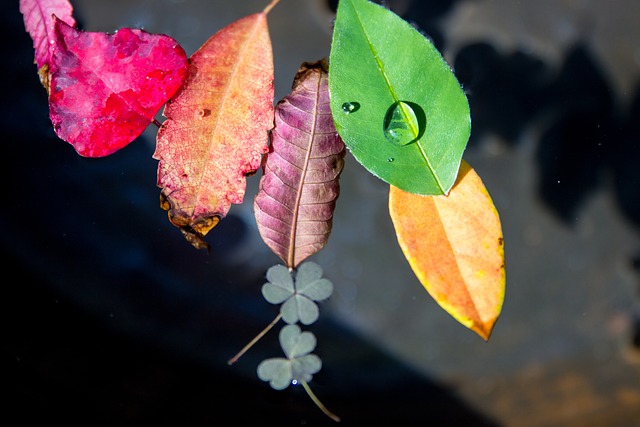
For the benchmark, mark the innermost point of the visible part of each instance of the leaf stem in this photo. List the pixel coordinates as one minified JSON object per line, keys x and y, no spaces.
{"x":157,"y":123}
{"x":270,"y":6}
{"x":235,"y":358}
{"x":319,"y":404}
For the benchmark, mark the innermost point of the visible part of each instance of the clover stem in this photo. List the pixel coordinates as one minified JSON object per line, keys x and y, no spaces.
{"x":319,"y":404}
{"x":235,"y":358}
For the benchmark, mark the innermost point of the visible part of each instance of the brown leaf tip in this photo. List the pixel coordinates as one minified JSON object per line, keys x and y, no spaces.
{"x":196,"y":239}
{"x":43,"y":75}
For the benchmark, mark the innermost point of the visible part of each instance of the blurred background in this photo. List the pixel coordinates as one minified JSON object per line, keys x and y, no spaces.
{"x":112,"y":318}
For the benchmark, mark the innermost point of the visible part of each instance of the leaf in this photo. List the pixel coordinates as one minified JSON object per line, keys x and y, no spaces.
{"x":298,"y":191}
{"x":277,"y":370}
{"x":454,"y":245}
{"x":297,"y":299}
{"x":216,"y":128}
{"x":105,"y":89}
{"x":299,"y":364}
{"x":39,"y":24}
{"x":309,"y":282}
{"x":299,"y":309}
{"x":279,"y":286}
{"x":296,"y":343}
{"x":396,"y":103}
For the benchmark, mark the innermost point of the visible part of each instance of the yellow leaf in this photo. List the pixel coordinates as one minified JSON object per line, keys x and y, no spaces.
{"x":455,"y":247}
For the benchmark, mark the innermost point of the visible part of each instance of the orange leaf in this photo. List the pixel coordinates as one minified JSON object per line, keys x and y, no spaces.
{"x":454,"y":245}
{"x":217,"y":126}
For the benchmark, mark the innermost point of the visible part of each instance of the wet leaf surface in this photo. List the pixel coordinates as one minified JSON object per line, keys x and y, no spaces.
{"x":396,"y":103}
{"x":105,"y":89}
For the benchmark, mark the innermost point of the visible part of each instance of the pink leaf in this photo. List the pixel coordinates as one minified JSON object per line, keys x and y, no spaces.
{"x":298,"y":191}
{"x":105,"y":89}
{"x":37,"y":21}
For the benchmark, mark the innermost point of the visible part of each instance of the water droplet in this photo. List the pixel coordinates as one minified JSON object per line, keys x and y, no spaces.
{"x":404,"y":123}
{"x":350,"y":107}
{"x":294,"y":382}
{"x":391,"y":160}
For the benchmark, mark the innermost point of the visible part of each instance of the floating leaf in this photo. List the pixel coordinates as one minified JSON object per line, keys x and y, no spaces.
{"x":297,"y":299}
{"x":37,"y":16}
{"x":298,"y":191}
{"x":216,"y":128}
{"x":454,"y":245}
{"x":299,"y":364}
{"x":295,"y":343}
{"x":396,"y":103}
{"x":280,"y":285}
{"x":309,"y":282}
{"x":277,"y":371}
{"x":105,"y":89}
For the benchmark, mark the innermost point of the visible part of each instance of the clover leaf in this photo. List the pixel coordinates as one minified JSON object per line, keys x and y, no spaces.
{"x":299,"y":365}
{"x":297,"y":298}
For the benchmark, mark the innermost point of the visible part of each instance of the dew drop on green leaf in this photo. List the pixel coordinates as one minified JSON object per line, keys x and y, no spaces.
{"x":401,"y":125}
{"x":350,"y":107}
{"x":380,"y":60}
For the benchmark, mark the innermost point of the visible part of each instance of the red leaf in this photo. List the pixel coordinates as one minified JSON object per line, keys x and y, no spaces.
{"x":105,"y":89}
{"x":216,"y":128}
{"x":37,"y":21}
{"x":298,"y":191}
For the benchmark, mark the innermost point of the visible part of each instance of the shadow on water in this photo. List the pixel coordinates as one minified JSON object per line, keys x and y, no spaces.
{"x":113,"y":319}
{"x":588,"y":140}
{"x":585,"y":135}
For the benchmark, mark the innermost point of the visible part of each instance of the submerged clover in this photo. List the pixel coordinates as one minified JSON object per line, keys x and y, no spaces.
{"x":297,"y":298}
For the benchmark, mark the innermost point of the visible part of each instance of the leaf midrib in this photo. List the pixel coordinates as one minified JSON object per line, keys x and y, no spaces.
{"x":249,"y":40}
{"x":294,"y":222}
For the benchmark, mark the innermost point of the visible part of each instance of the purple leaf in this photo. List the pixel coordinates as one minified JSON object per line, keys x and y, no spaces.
{"x":298,"y":191}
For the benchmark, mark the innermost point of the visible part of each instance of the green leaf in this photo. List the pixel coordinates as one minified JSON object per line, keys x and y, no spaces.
{"x":297,"y":298}
{"x":303,"y":368}
{"x":299,"y":365}
{"x":309,"y":282}
{"x":279,"y":286}
{"x":395,"y":101}
{"x":299,"y":308}
{"x":277,"y":370}
{"x":296,"y":343}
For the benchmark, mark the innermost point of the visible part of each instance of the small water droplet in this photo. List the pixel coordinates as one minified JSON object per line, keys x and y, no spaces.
{"x":350,"y":107}
{"x":404,"y":123}
{"x":294,"y":382}
{"x":391,"y":160}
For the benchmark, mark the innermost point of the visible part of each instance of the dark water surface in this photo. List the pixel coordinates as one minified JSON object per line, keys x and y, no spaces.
{"x":113,"y":319}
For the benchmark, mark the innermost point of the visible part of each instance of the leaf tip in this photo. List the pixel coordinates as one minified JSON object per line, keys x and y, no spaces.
{"x":270,"y":6}
{"x":484,"y":329}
